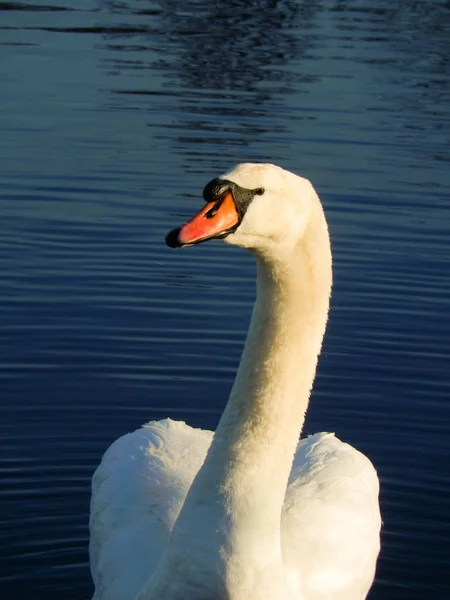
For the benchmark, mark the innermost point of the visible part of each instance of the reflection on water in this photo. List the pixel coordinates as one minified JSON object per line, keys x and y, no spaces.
{"x":113,"y":115}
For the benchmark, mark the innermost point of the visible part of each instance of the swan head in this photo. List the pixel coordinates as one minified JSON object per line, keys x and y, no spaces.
{"x":257,"y":206}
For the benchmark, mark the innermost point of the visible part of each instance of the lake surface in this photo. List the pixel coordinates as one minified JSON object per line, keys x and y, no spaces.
{"x":113,"y":116}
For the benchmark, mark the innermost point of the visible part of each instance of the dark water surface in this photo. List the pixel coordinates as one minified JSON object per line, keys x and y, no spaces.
{"x":113,"y":115}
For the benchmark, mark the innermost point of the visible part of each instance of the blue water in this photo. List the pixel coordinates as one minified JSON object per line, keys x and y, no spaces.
{"x":113,"y":116}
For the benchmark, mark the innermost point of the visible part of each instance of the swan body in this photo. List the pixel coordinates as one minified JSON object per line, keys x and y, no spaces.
{"x":249,"y":512}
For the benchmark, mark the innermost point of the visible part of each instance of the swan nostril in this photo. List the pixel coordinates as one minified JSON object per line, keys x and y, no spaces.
{"x":213,"y":211}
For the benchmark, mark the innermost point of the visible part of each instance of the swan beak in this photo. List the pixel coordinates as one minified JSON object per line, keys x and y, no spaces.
{"x":215,"y":220}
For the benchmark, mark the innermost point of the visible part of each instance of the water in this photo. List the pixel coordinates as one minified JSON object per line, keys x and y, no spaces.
{"x":113,"y":115}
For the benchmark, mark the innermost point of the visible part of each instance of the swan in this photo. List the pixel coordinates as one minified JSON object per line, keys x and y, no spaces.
{"x":249,"y":512}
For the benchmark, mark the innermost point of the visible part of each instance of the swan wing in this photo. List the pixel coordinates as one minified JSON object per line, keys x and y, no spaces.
{"x":137,"y":493}
{"x":331,"y":520}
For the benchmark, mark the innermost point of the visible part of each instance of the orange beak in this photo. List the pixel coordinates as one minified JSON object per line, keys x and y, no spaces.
{"x":214,"y":220}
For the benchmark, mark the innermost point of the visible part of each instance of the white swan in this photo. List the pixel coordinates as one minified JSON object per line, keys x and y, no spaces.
{"x":249,"y":513}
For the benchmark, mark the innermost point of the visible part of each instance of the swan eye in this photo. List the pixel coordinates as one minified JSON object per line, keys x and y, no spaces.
{"x":260,"y":191}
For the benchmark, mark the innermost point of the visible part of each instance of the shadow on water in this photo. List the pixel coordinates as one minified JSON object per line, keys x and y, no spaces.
{"x":230,"y":56}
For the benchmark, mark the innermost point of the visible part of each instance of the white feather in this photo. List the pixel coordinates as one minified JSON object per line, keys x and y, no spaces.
{"x":137,"y":493}
{"x":248,"y":513}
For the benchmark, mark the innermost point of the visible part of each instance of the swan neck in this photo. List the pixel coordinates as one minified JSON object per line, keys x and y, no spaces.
{"x":270,"y":396}
{"x":255,"y":442}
